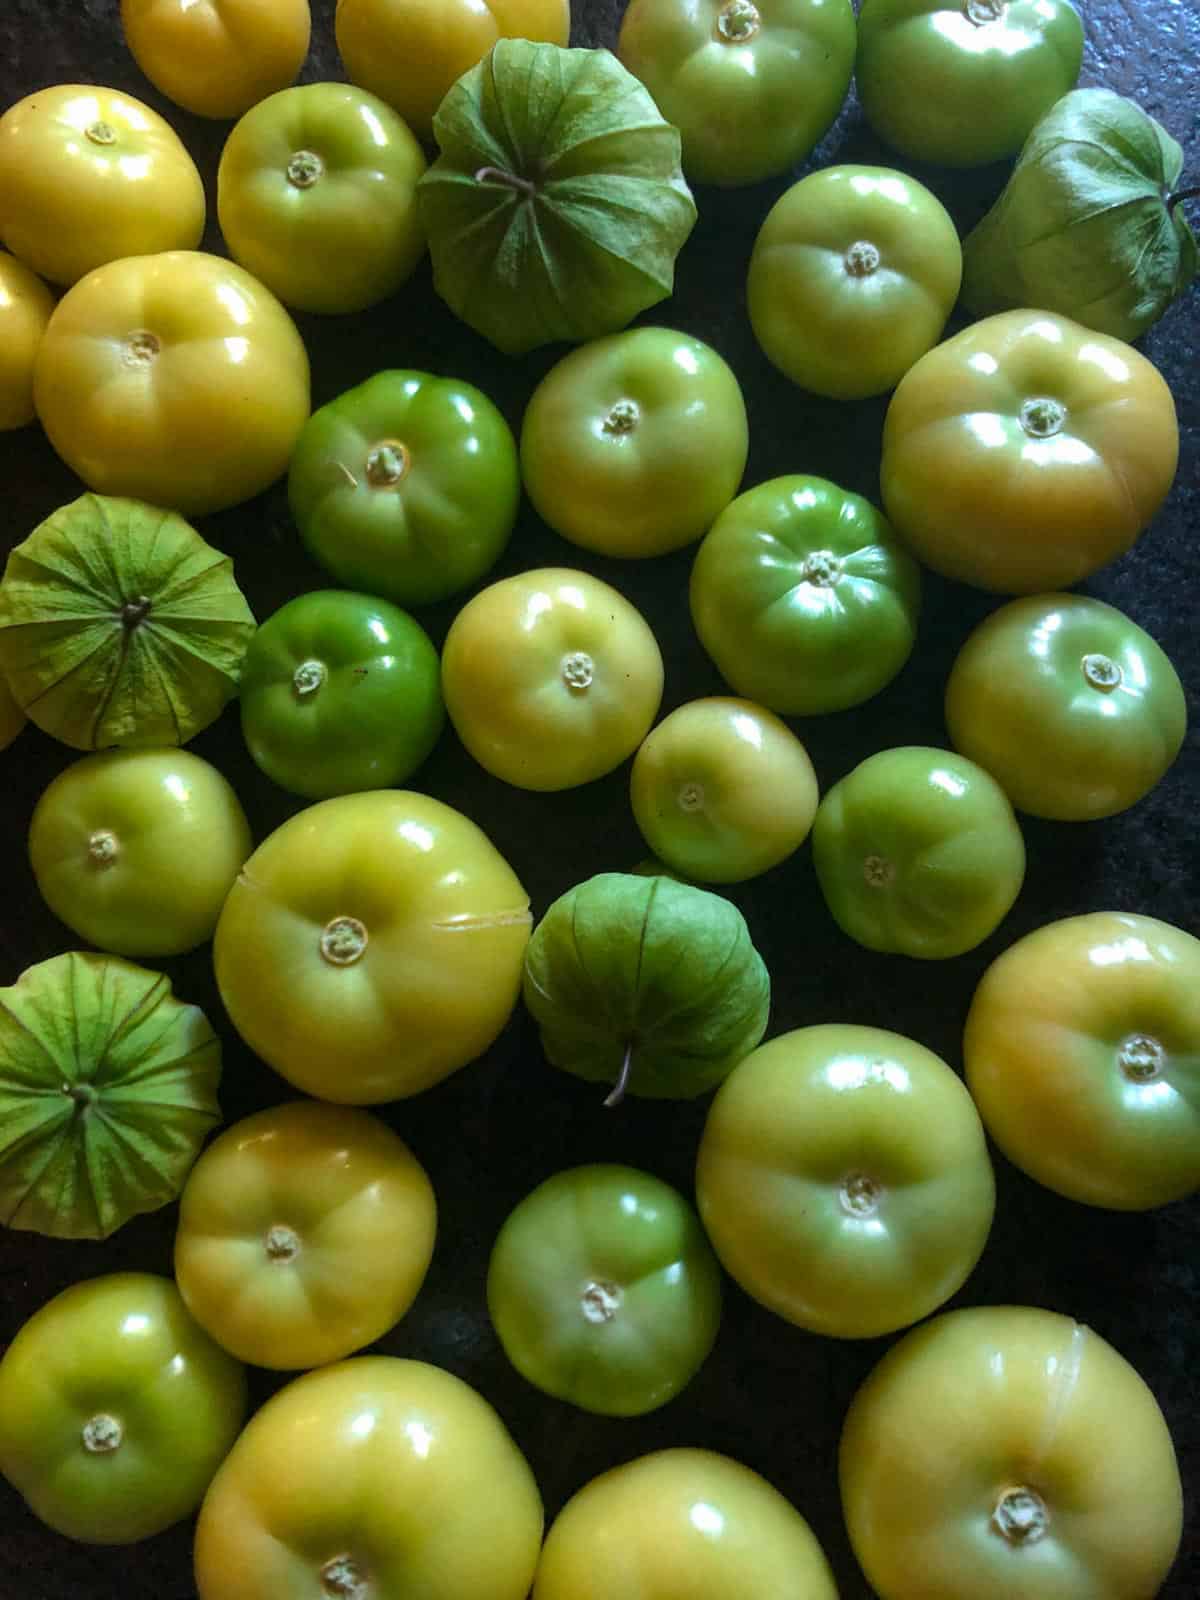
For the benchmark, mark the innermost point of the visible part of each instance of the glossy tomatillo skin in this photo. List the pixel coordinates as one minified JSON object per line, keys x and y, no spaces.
{"x":844,"y":1179}
{"x":962,"y":82}
{"x":551,"y":678}
{"x":632,"y":444}
{"x":406,"y":486}
{"x":1026,"y":452}
{"x":217,"y":58}
{"x":804,"y":597}
{"x":604,"y":1291}
{"x":918,"y":853}
{"x":372,"y":945}
{"x":409,"y":52}
{"x":114,"y":829}
{"x":116,"y":1408}
{"x":751,"y":86}
{"x":1082,"y":1050}
{"x":89,"y":175}
{"x":305,"y":1232}
{"x":340,"y":692}
{"x":681,"y":1522}
{"x":316,"y":194}
{"x":722,"y":790}
{"x":177,"y":379}
{"x":375,"y":1478}
{"x":1073,"y":709}
{"x":1004,"y":1450}
{"x":853,"y":274}
{"x":25,"y":307}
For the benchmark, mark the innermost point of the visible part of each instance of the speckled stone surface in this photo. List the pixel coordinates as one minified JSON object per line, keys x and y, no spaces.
{"x":769,"y":1395}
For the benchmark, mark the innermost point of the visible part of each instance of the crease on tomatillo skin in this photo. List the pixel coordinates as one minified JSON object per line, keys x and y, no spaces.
{"x":1065,"y":1381}
{"x":473,"y":921}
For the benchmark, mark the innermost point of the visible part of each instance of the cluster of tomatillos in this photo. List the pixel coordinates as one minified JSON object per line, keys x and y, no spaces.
{"x":378,"y":941}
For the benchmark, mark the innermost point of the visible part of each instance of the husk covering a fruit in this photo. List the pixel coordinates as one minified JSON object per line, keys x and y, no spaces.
{"x":120,"y":625}
{"x":558,"y":203}
{"x":646,"y":983}
{"x":108,"y":1087}
{"x":1088,"y":224}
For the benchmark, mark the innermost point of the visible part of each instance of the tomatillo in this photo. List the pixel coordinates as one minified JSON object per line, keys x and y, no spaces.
{"x":340,"y":692}
{"x":1003,"y":1451}
{"x":1082,"y":1050}
{"x":843,"y":1178}
{"x":633,"y":444}
{"x":852,"y":277}
{"x":604,"y":1290}
{"x":410,"y":52}
{"x":406,"y":486}
{"x":373,"y":1479}
{"x":116,"y":826}
{"x":681,"y":1522}
{"x":804,"y":598}
{"x":217,"y":59}
{"x":176,"y":379}
{"x":91,"y":175}
{"x":1025,"y":452}
{"x":1072,"y":708}
{"x":305,"y":1232}
{"x":25,"y":307}
{"x":917,"y":852}
{"x":372,"y":945}
{"x":552,"y":678}
{"x":116,"y":1409}
{"x":317,"y":197}
{"x":751,"y":88}
{"x":722,"y":790}
{"x":962,"y":82}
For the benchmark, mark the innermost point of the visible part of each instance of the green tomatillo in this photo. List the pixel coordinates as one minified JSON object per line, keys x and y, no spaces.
{"x":647,"y":984}
{"x":632,"y":445}
{"x":108,"y":1088}
{"x":853,"y":275}
{"x":1082,"y":1050}
{"x":844,"y":1179}
{"x":722,"y":790}
{"x":1090,"y":224}
{"x":406,"y":486}
{"x":119,"y":624}
{"x":750,"y":87}
{"x":1072,"y":708}
{"x":998,"y":1451}
{"x":804,"y":598}
{"x":1025,"y":452}
{"x":116,"y":1409}
{"x":115,"y":826}
{"x":961,"y":82}
{"x":918,"y":853}
{"x":557,"y":205}
{"x":340,"y":692}
{"x":317,"y":197}
{"x":604,"y":1290}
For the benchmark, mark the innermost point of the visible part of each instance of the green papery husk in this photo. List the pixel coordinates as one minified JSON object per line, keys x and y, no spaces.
{"x":77,"y":670}
{"x":108,"y":1088}
{"x":1083,"y":227}
{"x":596,"y":242}
{"x":658,"y":967}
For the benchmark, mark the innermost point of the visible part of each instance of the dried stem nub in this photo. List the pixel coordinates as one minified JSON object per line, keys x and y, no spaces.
{"x":617,"y":1093}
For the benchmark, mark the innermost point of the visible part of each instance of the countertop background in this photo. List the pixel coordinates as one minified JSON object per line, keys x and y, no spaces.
{"x":770,"y":1395}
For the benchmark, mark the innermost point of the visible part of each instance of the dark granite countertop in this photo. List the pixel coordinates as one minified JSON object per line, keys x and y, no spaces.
{"x":769,"y":1395}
